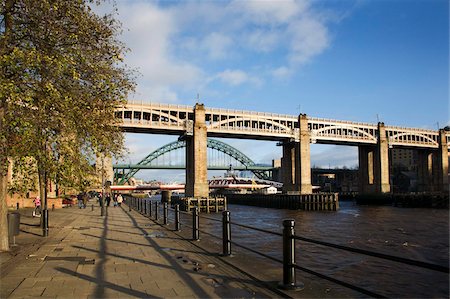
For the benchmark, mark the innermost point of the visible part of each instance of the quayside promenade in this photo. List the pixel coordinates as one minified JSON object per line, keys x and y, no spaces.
{"x":128,"y":255}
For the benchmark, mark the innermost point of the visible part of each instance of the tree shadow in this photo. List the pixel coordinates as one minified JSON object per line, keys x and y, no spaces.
{"x":104,"y":284}
{"x":195,"y":287}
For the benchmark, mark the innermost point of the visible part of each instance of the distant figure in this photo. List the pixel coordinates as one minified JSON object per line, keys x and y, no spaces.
{"x":108,"y":199}
{"x":115,"y":200}
{"x":85,"y":200}
{"x":80,"y":200}
{"x":100,"y":199}
{"x":119,"y":199}
{"x":37,"y":207}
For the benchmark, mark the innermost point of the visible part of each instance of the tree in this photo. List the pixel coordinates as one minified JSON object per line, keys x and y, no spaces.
{"x":62,"y":78}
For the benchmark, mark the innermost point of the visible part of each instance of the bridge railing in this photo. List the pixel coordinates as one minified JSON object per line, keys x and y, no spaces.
{"x":288,"y":237}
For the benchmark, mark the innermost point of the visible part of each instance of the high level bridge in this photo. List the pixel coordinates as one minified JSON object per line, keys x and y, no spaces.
{"x":295,"y":134}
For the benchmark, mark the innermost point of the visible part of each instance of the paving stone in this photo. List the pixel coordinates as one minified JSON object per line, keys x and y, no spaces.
{"x":127,"y":262}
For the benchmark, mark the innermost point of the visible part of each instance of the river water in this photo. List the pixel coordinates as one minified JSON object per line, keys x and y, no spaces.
{"x":414,"y":233}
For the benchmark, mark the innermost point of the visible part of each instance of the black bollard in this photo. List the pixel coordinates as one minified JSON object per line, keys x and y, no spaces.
{"x":92,"y":207}
{"x":129,"y":204}
{"x":226,"y":233}
{"x":17,"y":206}
{"x":289,"y":280}
{"x":177,"y":218}
{"x":195,"y":225}
{"x":44,"y":219}
{"x":166,"y":213}
{"x":145,"y":207}
{"x":156,"y":210}
{"x":150,"y":209}
{"x":53,"y":207}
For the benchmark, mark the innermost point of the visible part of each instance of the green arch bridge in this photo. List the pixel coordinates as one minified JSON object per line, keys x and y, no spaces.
{"x":261,"y":172}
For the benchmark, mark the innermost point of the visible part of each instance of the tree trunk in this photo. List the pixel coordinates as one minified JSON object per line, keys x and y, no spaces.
{"x":4,"y":241}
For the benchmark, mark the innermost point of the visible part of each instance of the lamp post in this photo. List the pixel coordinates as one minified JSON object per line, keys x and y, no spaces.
{"x":102,"y":202}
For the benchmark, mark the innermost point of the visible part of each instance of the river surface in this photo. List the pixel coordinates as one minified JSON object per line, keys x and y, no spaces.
{"x":414,"y":233}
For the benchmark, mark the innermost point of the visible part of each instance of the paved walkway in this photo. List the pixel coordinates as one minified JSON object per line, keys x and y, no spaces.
{"x":122,"y":255}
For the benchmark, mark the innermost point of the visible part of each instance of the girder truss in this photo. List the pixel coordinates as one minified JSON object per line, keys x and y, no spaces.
{"x":178,"y":119}
{"x":211,"y":143}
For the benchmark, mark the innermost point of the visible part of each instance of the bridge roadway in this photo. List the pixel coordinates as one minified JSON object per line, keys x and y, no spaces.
{"x":295,"y":134}
{"x":229,"y":123}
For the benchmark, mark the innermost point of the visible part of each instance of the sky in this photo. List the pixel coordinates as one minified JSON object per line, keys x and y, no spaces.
{"x":357,"y":60}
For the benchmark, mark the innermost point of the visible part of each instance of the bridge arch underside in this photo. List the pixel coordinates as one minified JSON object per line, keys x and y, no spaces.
{"x":222,"y":157}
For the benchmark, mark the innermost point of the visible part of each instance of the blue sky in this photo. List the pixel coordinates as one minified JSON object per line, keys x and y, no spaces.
{"x":360,"y":60}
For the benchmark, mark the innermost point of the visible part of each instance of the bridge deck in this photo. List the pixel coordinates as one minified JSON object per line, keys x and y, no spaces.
{"x":229,"y":123}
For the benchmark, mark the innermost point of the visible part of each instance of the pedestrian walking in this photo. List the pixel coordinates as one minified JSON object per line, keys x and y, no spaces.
{"x":108,"y":199}
{"x":85,"y":200}
{"x":119,"y":199}
{"x":37,"y":207}
{"x":80,"y":200}
{"x":115,"y":200}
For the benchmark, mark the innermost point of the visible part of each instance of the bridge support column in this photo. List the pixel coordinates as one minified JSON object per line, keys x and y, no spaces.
{"x":366,"y":169}
{"x":382,"y":166}
{"x":424,"y":170}
{"x":288,"y":167}
{"x":374,"y":165}
{"x":303,"y":158}
{"x":442,"y":163}
{"x":196,"y":156}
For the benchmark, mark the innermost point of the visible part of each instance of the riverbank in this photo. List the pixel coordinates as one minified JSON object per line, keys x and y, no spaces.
{"x":125,"y":254}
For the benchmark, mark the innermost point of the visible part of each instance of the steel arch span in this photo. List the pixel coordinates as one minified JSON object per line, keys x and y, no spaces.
{"x":211,"y":143}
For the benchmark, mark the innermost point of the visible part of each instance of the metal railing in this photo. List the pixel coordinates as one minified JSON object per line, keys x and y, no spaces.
{"x":288,"y":236}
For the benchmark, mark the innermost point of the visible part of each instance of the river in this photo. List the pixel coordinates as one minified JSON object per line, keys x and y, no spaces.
{"x":414,"y":233}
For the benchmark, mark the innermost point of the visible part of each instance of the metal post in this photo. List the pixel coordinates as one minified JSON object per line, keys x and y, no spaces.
{"x":177,"y":218}
{"x":92,"y":208}
{"x":226,"y":233}
{"x":44,"y":214}
{"x":102,"y":202}
{"x":166,"y":213}
{"x":156,"y":210}
{"x":195,"y":225}
{"x":150,"y":209}
{"x":145,"y":207}
{"x":17,"y":206}
{"x":129,"y":204}
{"x":289,"y":280}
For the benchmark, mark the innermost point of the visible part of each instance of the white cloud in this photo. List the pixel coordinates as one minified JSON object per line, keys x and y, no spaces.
{"x":309,"y":39}
{"x":217,"y":45}
{"x":264,"y":40}
{"x":237,"y":77}
{"x":282,"y":72}
{"x":173,"y":45}
{"x":149,"y":32}
{"x":269,"y":11}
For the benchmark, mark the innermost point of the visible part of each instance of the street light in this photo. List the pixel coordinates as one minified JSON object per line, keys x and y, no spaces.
{"x":102,"y":201}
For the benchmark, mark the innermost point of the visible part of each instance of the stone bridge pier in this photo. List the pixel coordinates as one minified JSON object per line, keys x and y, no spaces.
{"x":432,"y":167}
{"x":296,"y":161}
{"x":196,"y":156}
{"x":374,"y":165}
